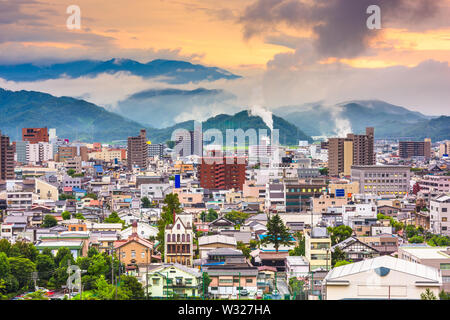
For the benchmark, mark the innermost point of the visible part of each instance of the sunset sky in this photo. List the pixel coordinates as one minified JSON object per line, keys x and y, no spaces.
{"x":293,"y":51}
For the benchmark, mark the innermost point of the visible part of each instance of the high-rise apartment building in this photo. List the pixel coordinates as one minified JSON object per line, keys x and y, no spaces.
{"x":189,"y":142}
{"x":410,"y":149}
{"x":69,"y":152}
{"x":222,"y":173}
{"x":353,"y":150}
{"x":156,"y":149}
{"x":6,"y":158}
{"x":35,"y":135}
{"x":137,"y":151}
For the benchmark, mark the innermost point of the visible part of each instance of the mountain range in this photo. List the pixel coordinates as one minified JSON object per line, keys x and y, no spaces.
{"x":168,"y":71}
{"x":354,"y":116}
{"x":84,"y":121}
{"x":81,"y":120}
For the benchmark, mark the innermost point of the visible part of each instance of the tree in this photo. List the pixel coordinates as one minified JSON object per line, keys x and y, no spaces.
{"x":237,"y":217}
{"x":172,"y":204}
{"x":64,"y":196}
{"x":25,"y":250}
{"x":132,"y":287}
{"x":5,"y":246}
{"x":21,"y":269}
{"x":277,"y":233}
{"x":206,"y":281}
{"x":299,"y":250}
{"x":45,"y":266}
{"x":340,"y":233}
{"x":416,"y":239}
{"x":49,"y":221}
{"x":106,"y":291}
{"x":37,"y":295}
{"x":146,"y":202}
{"x":210,"y":216}
{"x":91,"y":196}
{"x":114,"y":218}
{"x":71,"y":172}
{"x":341,"y":263}
{"x":5,"y":268}
{"x":245,"y":250}
{"x":323,"y":171}
{"x":337,"y":255}
{"x":66,"y":215}
{"x":61,"y":254}
{"x":443,"y":295}
{"x":80,"y":216}
{"x":428,"y":295}
{"x":439,"y":241}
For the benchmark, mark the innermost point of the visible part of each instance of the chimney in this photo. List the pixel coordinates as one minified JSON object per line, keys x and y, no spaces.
{"x":134,"y":228}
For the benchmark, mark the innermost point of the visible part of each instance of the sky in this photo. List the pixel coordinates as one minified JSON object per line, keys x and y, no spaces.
{"x":289,"y":52}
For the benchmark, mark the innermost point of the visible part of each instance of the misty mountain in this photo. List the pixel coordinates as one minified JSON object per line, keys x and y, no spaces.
{"x":160,"y":108}
{"x":171,"y":71}
{"x":353,"y":116}
{"x":289,"y":134}
{"x":80,"y":120}
{"x":72,"y":118}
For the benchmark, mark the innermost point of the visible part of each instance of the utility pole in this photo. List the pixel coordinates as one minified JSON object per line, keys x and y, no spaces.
{"x":239,"y":288}
{"x":146,"y":275}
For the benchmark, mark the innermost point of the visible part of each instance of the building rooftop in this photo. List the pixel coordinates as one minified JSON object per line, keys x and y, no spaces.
{"x":388,"y":262}
{"x":427,"y":252}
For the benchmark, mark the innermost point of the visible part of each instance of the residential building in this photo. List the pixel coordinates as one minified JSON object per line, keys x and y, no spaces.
{"x":352,"y":150}
{"x":436,"y":257}
{"x":178,"y":244}
{"x":355,"y":250}
{"x":35,"y":135}
{"x":232,"y":278}
{"x":382,"y":277}
{"x":222,"y":173}
{"x":6,"y":158}
{"x":156,"y":149}
{"x":440,"y":215}
{"x":317,"y":248}
{"x":296,"y":267}
{"x":299,"y":196}
{"x":171,"y":280}
{"x":412,"y":149}
{"x":137,"y":151}
{"x":212,"y":242}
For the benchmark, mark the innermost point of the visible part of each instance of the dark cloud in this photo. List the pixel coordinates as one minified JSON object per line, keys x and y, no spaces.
{"x":340,"y":25}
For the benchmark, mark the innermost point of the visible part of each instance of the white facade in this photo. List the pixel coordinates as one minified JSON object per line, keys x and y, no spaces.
{"x":383,"y":277}
{"x":360,"y":210}
{"x":440,"y":215}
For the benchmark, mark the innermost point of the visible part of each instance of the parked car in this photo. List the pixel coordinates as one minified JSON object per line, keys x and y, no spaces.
{"x":244,"y":292}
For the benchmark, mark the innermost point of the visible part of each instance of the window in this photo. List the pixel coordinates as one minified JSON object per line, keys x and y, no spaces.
{"x":248,"y":280}
{"x":155,"y":281}
{"x":143,"y":254}
{"x":445,"y":266}
{"x":133,"y":254}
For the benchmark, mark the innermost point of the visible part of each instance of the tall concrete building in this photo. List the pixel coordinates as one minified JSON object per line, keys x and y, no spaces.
{"x":411,"y":149}
{"x":222,"y":173}
{"x":444,"y":148}
{"x":353,"y":150}
{"x":189,"y":143}
{"x":382,"y":180}
{"x":6,"y":158}
{"x":35,"y":135}
{"x":137,"y":151}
